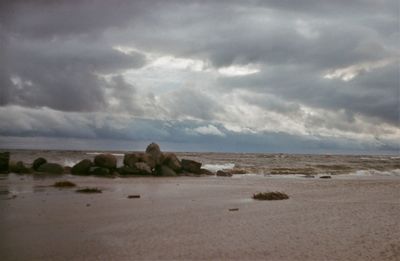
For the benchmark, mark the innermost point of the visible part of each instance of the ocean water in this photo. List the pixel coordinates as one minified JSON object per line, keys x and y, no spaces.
{"x":266,"y":164}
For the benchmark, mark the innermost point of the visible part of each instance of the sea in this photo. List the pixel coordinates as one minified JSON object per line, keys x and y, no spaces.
{"x":256,"y":164}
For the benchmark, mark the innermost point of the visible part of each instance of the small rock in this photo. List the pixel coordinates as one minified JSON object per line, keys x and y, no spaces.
{"x":134,"y":196}
{"x":233,"y":209}
{"x":222,"y":173}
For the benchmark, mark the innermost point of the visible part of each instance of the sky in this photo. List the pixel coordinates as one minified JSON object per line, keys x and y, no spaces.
{"x":304,"y":76}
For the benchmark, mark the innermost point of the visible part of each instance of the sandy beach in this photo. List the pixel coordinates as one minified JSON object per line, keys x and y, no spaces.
{"x":188,"y":218}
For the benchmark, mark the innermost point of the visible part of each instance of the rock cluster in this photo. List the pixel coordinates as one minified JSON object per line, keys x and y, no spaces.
{"x":155,"y":162}
{"x":151,"y":162}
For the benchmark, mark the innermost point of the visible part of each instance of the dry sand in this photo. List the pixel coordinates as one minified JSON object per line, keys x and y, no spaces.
{"x":188,"y":218}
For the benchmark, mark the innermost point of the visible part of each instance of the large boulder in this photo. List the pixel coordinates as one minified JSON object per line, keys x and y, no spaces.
{"x":18,"y":167}
{"x":82,"y":167}
{"x":191,"y":166}
{"x":132,"y":158}
{"x":166,"y":171}
{"x":108,"y":161}
{"x":154,"y":151}
{"x":99,"y":171}
{"x":4,"y":162}
{"x":52,"y":168}
{"x":143,"y":168}
{"x":172,"y":161}
{"x":149,"y":160}
{"x":38,"y":162}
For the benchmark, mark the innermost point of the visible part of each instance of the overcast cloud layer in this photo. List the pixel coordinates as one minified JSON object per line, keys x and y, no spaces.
{"x":273,"y":76}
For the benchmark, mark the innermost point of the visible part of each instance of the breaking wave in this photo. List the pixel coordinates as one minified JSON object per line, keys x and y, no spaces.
{"x":216,"y":167}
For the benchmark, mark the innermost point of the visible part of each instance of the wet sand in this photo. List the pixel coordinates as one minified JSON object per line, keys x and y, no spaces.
{"x":188,"y":218}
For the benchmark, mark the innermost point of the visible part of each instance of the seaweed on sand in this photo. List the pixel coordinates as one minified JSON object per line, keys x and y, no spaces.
{"x":270,"y":196}
{"x":64,"y":184}
{"x":89,"y":190}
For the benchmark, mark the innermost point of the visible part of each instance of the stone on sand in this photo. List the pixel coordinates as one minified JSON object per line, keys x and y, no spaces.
{"x":222,"y":173}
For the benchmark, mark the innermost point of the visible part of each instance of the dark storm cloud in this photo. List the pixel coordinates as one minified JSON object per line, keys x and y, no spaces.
{"x":191,"y":103}
{"x":56,"y":54}
{"x":64,"y":18}
{"x":60,"y":74}
{"x":374,"y":94}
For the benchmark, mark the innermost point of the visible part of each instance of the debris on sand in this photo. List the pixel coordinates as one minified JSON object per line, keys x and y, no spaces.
{"x":270,"y":196}
{"x":89,"y":190}
{"x":233,"y":209}
{"x":325,"y":177}
{"x":134,"y":196}
{"x":64,"y":184}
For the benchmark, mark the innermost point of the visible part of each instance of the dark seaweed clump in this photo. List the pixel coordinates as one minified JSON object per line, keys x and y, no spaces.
{"x":89,"y":190}
{"x":64,"y":184}
{"x":270,"y":196}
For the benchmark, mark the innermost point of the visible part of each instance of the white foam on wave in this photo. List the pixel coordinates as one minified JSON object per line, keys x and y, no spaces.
{"x":373,"y":172}
{"x":216,"y":167}
{"x":69,"y":162}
